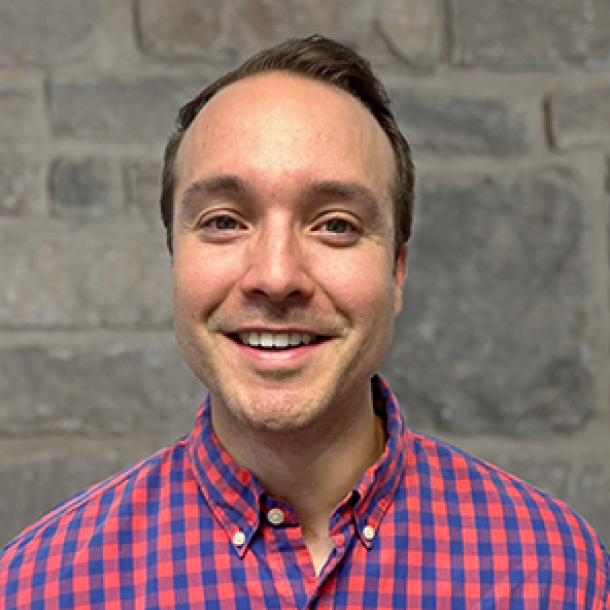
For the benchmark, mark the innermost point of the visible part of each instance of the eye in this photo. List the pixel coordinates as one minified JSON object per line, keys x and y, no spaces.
{"x":337,"y":225}
{"x":222,"y":223}
{"x":338,"y":230}
{"x":220,"y":227}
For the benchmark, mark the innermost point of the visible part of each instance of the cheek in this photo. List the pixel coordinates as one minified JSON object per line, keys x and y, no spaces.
{"x":362,"y":288}
{"x":199,"y":285}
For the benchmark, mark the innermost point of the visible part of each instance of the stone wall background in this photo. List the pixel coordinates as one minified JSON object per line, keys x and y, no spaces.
{"x":503,"y":344}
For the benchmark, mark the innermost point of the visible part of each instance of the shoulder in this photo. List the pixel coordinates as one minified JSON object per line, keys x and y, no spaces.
{"x":457,"y":476}
{"x":96,"y":511}
{"x":501,"y":516}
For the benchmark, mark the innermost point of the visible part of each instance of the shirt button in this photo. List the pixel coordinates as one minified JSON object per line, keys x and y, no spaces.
{"x":239,"y":539}
{"x":369,"y":533}
{"x":276,"y":516}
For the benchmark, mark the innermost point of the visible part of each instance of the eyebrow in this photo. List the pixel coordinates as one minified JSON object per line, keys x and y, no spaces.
{"x":196,"y":193}
{"x":229,"y":185}
{"x":341,"y":191}
{"x":346,"y":192}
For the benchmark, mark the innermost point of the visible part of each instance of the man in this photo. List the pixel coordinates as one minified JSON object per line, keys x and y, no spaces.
{"x":287,"y":196}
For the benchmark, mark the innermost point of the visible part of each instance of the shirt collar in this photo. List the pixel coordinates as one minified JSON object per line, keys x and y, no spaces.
{"x":234,"y":494}
{"x":231,"y":491}
{"x":375,"y":491}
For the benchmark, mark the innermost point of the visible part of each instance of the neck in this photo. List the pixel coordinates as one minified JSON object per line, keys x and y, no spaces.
{"x":313,"y":477}
{"x":313,"y":469}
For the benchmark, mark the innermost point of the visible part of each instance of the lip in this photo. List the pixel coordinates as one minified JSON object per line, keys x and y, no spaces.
{"x":276,"y":330}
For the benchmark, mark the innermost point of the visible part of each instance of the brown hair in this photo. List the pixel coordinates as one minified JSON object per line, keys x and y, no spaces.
{"x":321,"y":59}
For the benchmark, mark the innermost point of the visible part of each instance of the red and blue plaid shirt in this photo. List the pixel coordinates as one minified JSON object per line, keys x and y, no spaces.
{"x":428,"y":526}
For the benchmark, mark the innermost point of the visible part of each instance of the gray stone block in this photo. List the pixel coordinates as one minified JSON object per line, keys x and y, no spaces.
{"x":58,"y":275}
{"x":36,"y":475}
{"x":530,"y":34}
{"x":608,"y":227}
{"x":83,"y":188}
{"x":119,"y":111}
{"x":443,"y":123}
{"x":493,"y":337}
{"x":16,"y":179}
{"x":580,"y":117}
{"x":31,"y":32}
{"x":405,"y":30}
{"x":18,"y":160}
{"x":96,"y":385}
{"x":17,"y":115}
{"x":599,"y":35}
{"x":143,"y":188}
{"x":608,"y":252}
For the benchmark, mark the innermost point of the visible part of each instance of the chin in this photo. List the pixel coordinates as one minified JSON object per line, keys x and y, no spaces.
{"x":280,"y":412}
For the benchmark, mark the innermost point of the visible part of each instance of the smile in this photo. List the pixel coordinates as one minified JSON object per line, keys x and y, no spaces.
{"x":267,"y":340}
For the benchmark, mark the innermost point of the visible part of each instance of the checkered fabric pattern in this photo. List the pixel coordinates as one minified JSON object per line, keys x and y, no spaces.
{"x":428,"y":526}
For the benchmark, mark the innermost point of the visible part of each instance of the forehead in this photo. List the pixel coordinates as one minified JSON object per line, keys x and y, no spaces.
{"x":285,"y":124}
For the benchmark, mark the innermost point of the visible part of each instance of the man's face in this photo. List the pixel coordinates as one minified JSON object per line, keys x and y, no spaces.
{"x":285,"y":286}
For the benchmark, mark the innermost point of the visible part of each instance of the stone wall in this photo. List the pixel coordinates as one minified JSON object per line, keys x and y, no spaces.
{"x":503,"y":344}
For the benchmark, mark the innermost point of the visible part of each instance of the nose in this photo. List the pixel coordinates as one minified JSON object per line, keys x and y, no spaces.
{"x":277,"y":267}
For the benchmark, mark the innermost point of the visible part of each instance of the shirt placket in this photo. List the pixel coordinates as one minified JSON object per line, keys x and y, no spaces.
{"x":288,"y":557}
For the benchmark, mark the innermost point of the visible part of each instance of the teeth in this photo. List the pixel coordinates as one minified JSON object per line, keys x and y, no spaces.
{"x":282,"y":341}
{"x":275,"y":340}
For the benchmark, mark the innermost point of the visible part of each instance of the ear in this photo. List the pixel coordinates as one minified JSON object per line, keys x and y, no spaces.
{"x":400,"y":275}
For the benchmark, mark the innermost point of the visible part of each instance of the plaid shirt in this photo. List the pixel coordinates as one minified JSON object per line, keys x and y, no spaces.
{"x":428,"y":526}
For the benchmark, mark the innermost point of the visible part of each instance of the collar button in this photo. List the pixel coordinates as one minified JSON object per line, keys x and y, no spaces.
{"x":239,"y":539}
{"x":275,"y":516}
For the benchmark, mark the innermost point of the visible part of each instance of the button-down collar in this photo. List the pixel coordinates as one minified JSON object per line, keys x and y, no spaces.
{"x":238,"y":499}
